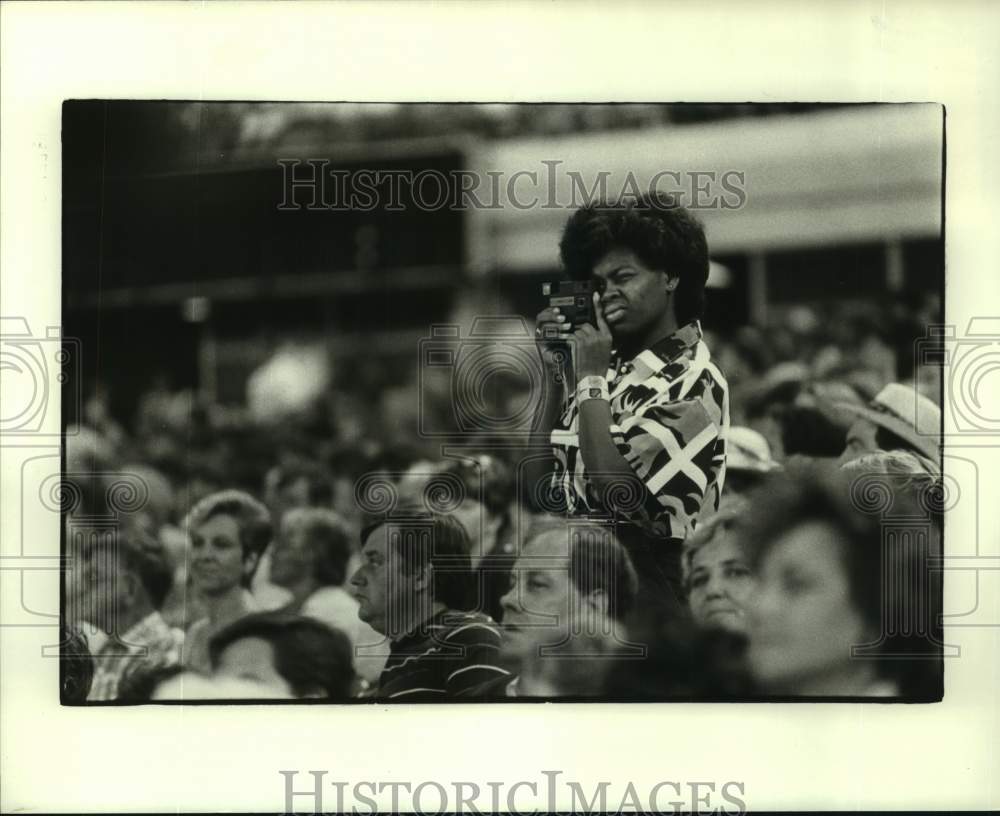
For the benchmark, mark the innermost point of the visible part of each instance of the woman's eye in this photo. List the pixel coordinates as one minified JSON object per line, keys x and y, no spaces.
{"x":699,"y":580}
{"x":737,"y":572}
{"x":534,"y":583}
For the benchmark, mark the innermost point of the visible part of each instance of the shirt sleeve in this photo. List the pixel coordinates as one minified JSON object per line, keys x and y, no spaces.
{"x":478,"y":647}
{"x":676,"y":450}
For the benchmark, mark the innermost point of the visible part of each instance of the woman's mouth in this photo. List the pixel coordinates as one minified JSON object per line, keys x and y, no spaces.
{"x":614,"y":313}
{"x":719,"y":611}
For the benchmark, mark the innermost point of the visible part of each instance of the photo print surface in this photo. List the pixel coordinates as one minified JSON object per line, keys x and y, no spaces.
{"x":408,"y":403}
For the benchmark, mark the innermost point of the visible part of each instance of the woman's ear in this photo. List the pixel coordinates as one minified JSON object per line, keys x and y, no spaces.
{"x":672,"y":282}
{"x":598,"y":601}
{"x":250,"y":561}
{"x":422,"y":580}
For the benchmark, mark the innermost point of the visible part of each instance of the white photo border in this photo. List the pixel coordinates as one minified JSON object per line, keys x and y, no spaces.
{"x":207,"y":758}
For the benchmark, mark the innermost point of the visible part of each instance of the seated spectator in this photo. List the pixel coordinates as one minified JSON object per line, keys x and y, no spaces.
{"x":156,"y":517}
{"x":183,"y":685}
{"x":766,"y":402}
{"x":486,"y":511}
{"x":896,"y":462}
{"x":897,"y":419}
{"x":118,"y":586}
{"x":717,"y":577}
{"x":285,"y":655}
{"x":309,"y":559}
{"x":748,"y":459}
{"x":906,"y":474}
{"x":570,"y":591}
{"x":826,"y":619}
{"x":228,"y":532}
{"x":817,"y":421}
{"x":76,"y":667}
{"x":300,"y":483}
{"x":413,"y":586}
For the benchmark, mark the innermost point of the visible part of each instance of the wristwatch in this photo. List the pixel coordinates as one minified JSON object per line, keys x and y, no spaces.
{"x":593,"y":387}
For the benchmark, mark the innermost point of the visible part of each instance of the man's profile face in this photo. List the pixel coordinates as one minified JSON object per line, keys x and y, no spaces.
{"x":381,"y":588}
{"x":542,"y":601}
{"x":633,"y":296}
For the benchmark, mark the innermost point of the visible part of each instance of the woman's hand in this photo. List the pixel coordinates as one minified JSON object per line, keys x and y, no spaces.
{"x":592,"y":346}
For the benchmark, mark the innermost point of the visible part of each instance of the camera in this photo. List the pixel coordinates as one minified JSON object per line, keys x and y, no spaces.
{"x":488,"y":382}
{"x":965,"y":365}
{"x":574,"y":299}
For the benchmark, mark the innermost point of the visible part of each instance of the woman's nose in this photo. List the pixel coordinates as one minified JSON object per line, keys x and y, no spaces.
{"x":509,"y":600}
{"x":716,"y":588}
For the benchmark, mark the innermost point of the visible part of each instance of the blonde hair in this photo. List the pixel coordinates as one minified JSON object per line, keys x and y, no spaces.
{"x":709,"y":529}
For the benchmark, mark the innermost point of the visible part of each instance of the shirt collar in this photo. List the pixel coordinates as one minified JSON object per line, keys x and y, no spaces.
{"x":418,"y":633}
{"x":674,"y":345}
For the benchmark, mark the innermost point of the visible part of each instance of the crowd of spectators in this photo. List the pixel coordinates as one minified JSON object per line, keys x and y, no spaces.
{"x":330,"y":552}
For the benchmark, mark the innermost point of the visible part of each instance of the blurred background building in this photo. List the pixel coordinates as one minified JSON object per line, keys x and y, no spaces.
{"x":182,"y":274}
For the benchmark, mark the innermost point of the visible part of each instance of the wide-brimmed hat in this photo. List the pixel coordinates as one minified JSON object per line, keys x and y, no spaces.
{"x":901,"y":410}
{"x":747,"y":450}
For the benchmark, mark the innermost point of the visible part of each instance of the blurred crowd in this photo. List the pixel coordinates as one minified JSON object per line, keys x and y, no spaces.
{"x":292,"y":554}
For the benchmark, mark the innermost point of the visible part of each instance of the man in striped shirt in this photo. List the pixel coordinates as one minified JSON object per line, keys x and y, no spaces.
{"x":637,"y":418}
{"x":413,"y":586}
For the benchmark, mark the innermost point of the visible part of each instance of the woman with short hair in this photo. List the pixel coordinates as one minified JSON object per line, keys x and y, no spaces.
{"x":827,"y":617}
{"x":717,"y":576}
{"x":563,"y":616}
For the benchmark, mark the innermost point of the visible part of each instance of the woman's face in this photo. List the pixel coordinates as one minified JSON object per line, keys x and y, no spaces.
{"x":633,"y":296}
{"x":801,"y":619}
{"x":216,"y":555}
{"x":720,"y":584}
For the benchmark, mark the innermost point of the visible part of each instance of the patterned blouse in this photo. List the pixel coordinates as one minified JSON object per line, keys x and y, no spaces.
{"x":669,"y":420}
{"x":149,"y":646}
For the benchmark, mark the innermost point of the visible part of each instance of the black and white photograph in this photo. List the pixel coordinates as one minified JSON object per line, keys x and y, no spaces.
{"x":481,"y":402}
{"x":499,"y":407}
